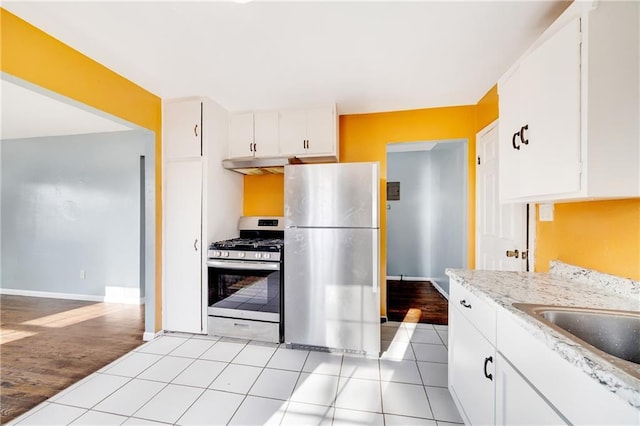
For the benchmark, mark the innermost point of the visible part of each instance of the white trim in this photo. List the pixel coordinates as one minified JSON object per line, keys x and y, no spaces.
{"x":431,"y":280}
{"x":147,"y":336}
{"x":532,"y":237}
{"x":71,"y":296}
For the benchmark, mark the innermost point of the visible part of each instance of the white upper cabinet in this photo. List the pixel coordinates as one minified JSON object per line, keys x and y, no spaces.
{"x":308,"y":132}
{"x":253,"y":135}
{"x":569,"y":110}
{"x":183,"y":129}
{"x":266,"y":134}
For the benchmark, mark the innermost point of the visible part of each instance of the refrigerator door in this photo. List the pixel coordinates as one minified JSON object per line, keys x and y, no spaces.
{"x":343,"y":195}
{"x":331,"y":292}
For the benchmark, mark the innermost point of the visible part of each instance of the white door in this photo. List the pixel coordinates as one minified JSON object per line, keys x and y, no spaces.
{"x":183,"y":129}
{"x":321,"y":131}
{"x":266,"y":134}
{"x":293,"y":132}
{"x":500,"y":228}
{"x":550,"y":94}
{"x":472,"y":378}
{"x":183,"y":244}
{"x":241,"y":142}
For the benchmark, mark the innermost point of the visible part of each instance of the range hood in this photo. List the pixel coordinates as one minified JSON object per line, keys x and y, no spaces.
{"x":258,"y":166}
{"x":263,"y":166}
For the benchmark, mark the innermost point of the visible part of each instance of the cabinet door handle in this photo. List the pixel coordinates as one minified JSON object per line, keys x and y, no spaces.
{"x":465,"y":304}
{"x":488,"y":360}
{"x":513,"y":253}
{"x":522,"y":139}
{"x":513,"y":140}
{"x":254,"y":147}
{"x":195,"y":130}
{"x":195,"y":245}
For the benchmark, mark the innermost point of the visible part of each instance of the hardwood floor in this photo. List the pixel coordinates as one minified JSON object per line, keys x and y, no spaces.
{"x":416,"y":301}
{"x":48,"y":344}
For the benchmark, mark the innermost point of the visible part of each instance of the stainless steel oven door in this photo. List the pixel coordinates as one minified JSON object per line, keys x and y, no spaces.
{"x":244,"y":290}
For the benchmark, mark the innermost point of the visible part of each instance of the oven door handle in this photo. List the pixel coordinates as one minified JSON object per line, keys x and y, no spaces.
{"x":242,"y":265}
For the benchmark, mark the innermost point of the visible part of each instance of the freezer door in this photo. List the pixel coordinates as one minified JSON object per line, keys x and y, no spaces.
{"x":331,"y":285}
{"x":332,"y":195}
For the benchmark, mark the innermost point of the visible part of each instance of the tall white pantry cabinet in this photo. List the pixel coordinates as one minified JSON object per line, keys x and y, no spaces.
{"x":201,"y":203}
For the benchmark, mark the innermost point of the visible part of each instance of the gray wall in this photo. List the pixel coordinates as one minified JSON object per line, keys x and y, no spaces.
{"x":72,"y":203}
{"x":426,"y":229}
{"x":449,"y":209}
{"x":408,"y":219}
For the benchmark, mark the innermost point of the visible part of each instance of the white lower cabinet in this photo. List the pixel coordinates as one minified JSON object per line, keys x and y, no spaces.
{"x":485,"y":386}
{"x":471,"y":370}
{"x":500,"y":373}
{"x":517,"y":403}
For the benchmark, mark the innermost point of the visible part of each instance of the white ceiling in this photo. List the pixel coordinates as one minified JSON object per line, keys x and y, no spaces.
{"x":29,"y":114}
{"x":364,"y":56}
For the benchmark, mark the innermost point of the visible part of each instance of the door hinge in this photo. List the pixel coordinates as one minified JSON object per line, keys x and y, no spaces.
{"x":478,"y":160}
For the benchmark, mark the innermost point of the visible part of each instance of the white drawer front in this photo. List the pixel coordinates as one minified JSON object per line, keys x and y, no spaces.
{"x":244,"y":329}
{"x":481,"y":315}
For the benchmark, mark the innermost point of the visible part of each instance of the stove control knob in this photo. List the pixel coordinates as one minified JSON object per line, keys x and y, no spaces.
{"x":258,"y":255}
{"x":267,"y":256}
{"x":216,"y":253}
{"x":241,"y":254}
{"x":225,"y":254}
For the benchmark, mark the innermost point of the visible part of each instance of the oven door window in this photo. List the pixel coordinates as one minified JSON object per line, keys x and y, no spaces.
{"x":244,"y":290}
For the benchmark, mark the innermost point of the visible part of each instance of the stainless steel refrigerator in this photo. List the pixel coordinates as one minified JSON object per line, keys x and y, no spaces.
{"x":332,"y":257}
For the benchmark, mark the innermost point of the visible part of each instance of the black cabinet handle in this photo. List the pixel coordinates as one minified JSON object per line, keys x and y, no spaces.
{"x":487,"y":361}
{"x":250,"y":147}
{"x":465,"y":304}
{"x":522,"y":139}
{"x":195,"y":130}
{"x":513,"y":140}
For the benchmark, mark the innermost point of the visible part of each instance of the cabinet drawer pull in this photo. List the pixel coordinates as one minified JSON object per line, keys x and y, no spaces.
{"x":235,"y":324}
{"x":522,"y":139}
{"x":488,"y":360}
{"x":513,"y":140}
{"x":465,"y":304}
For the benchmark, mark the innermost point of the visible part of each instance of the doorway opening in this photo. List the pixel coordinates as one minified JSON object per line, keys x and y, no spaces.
{"x":426,"y":226}
{"x":77,"y":215}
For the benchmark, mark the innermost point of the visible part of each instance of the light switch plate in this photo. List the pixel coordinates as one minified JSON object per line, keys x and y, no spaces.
{"x":546,"y":212}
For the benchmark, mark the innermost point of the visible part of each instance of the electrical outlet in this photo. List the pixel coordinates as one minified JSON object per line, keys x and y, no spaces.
{"x":83,"y":274}
{"x":546,"y":212}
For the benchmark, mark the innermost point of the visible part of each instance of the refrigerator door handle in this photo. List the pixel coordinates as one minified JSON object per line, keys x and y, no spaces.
{"x":375,"y":264}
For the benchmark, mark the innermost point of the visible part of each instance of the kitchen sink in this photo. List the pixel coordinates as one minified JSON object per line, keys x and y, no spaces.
{"x":614,"y":335}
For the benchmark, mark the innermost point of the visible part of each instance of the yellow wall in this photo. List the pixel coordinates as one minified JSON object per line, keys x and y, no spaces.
{"x":264,"y":195}
{"x":487,"y":111}
{"x":600,"y":235}
{"x":364,"y":137}
{"x":34,"y":56}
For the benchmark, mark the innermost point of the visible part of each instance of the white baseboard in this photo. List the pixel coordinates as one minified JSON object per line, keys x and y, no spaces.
{"x":405,"y":278}
{"x":73,"y":296}
{"x":433,"y":281}
{"x":440,"y":290}
{"x":147,"y":336}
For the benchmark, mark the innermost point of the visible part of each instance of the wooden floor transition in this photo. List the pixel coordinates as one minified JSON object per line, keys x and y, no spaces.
{"x":48,"y":344}
{"x":416,"y":301}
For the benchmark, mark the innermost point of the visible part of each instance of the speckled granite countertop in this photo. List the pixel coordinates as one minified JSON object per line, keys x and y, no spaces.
{"x":564,"y":285}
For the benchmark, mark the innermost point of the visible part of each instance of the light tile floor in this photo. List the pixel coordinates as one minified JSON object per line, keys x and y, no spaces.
{"x":203,"y":380}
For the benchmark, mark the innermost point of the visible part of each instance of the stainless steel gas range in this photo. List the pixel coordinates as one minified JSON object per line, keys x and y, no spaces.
{"x":246,"y":277}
